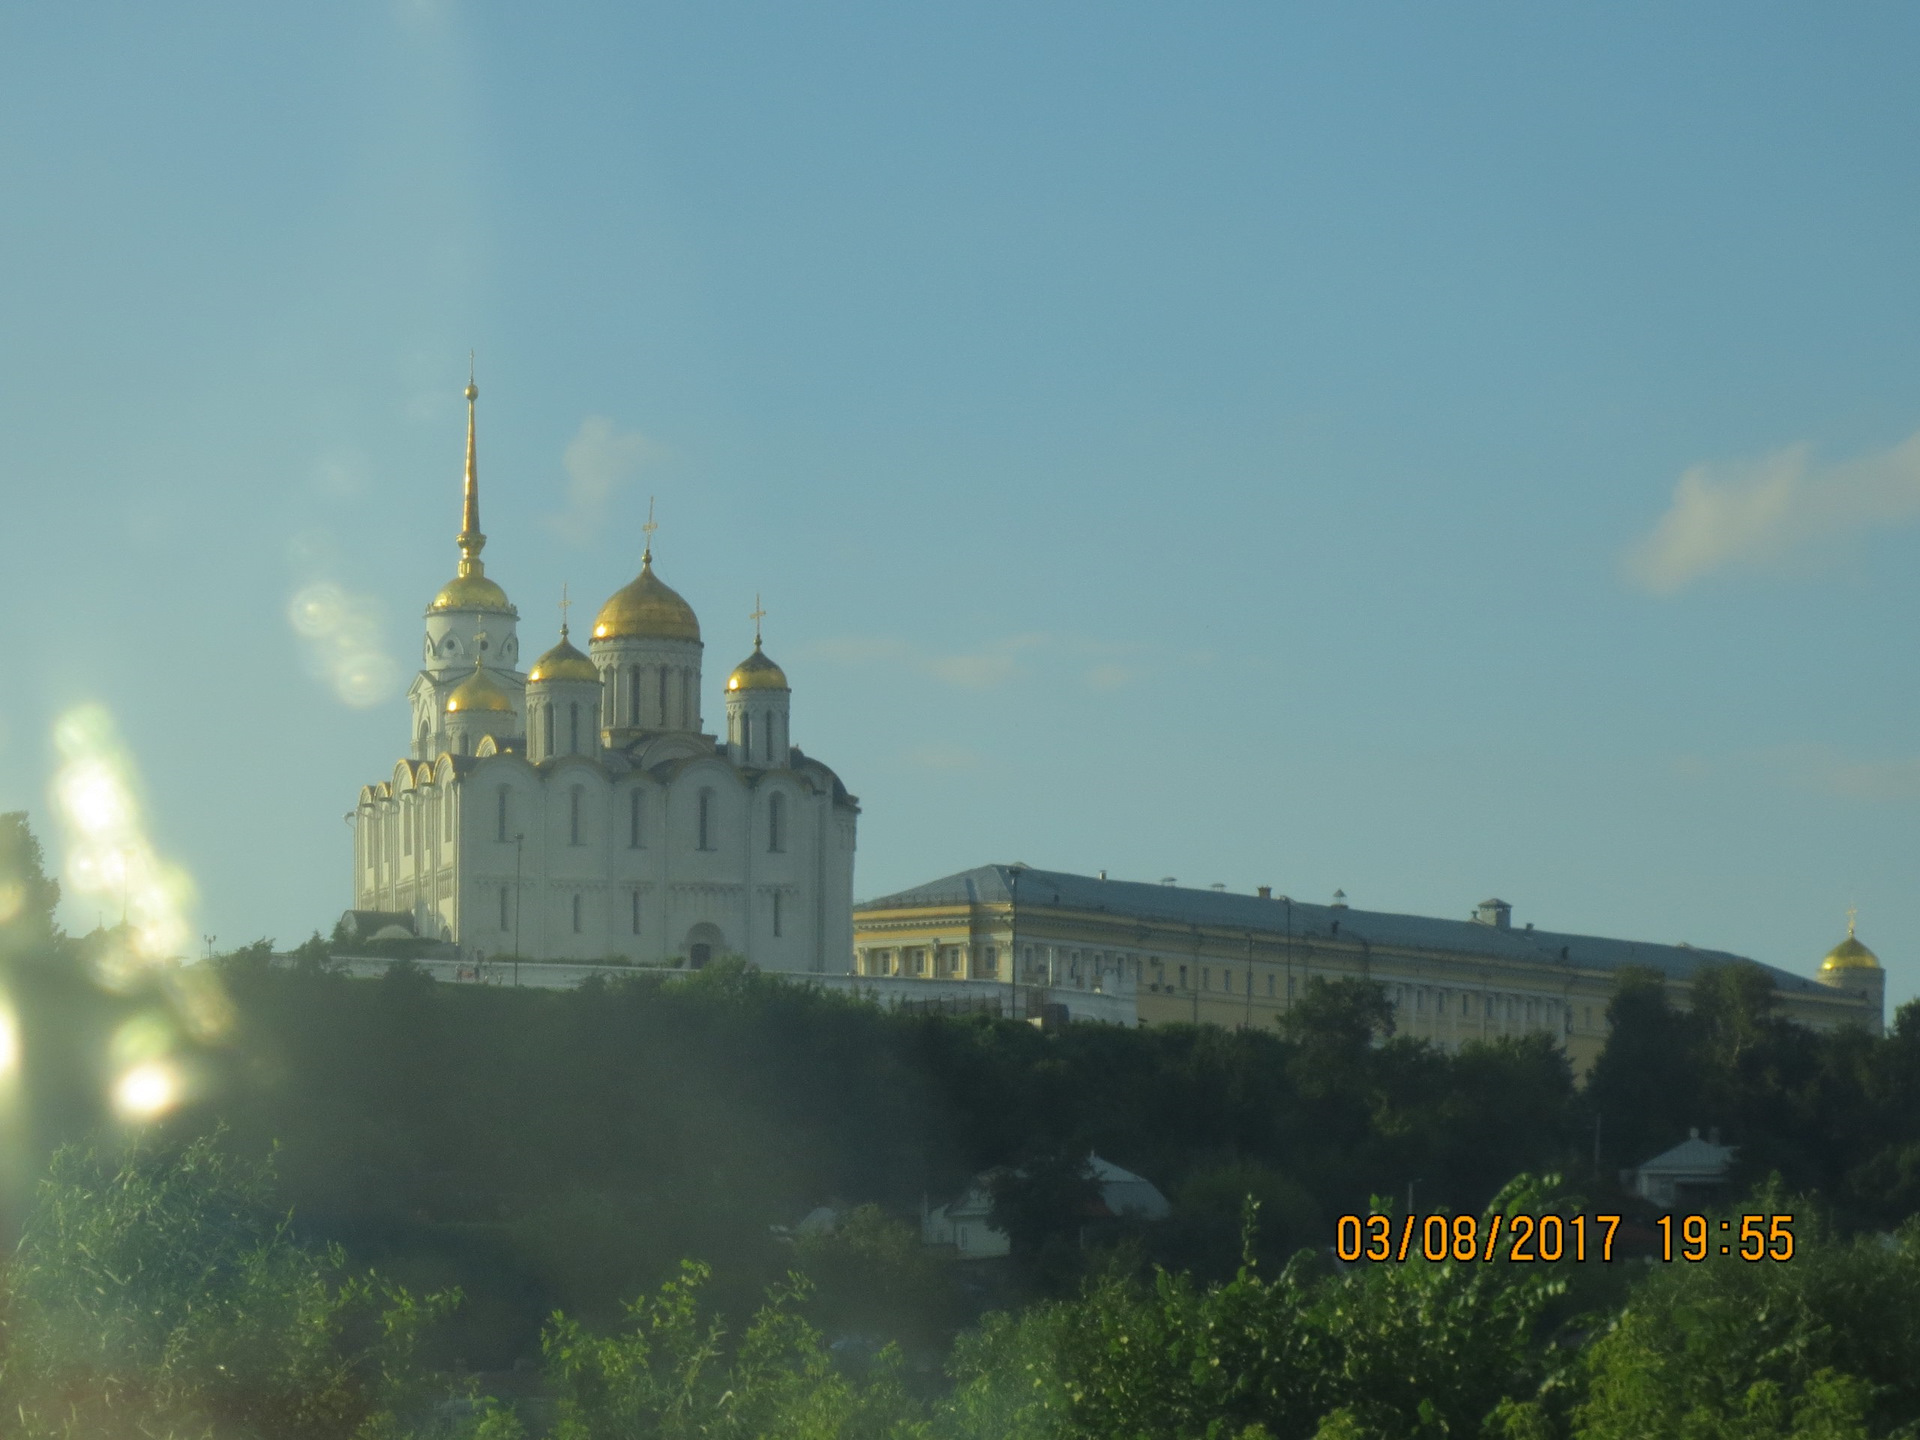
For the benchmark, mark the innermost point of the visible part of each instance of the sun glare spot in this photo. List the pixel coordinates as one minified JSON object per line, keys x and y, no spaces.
{"x":146,"y":1091}
{"x":9,"y":1043}
{"x":109,"y":856}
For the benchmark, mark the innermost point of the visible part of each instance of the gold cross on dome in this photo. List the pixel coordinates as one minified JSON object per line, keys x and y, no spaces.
{"x":649,"y":528}
{"x":759,"y":614}
{"x":566,"y":604}
{"x":1853,"y":913}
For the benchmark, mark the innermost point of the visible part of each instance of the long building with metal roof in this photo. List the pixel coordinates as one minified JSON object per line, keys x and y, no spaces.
{"x":1241,"y":960}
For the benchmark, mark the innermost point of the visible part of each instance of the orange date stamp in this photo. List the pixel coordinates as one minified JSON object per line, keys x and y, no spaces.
{"x":1549,"y":1238}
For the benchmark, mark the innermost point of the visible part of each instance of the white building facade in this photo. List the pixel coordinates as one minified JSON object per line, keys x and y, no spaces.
{"x":579,"y":811}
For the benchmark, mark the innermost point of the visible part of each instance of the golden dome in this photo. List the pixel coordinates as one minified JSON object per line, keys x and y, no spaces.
{"x":478,"y":692}
{"x":757,"y":672}
{"x":563,"y":662}
{"x":471,"y":592}
{"x":647,"y":609}
{"x":1850,"y":954}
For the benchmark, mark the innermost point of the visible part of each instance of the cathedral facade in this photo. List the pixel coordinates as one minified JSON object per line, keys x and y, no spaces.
{"x":580,"y":810}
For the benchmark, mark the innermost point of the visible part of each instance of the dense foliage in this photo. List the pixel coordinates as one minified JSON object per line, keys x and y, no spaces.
{"x":544,"y":1157}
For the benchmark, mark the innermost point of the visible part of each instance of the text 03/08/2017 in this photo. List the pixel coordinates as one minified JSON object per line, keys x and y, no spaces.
{"x":1548,"y":1238}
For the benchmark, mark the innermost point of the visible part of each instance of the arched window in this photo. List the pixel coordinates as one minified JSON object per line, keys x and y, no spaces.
{"x":663,"y":697}
{"x":573,"y":728}
{"x":634,"y":831}
{"x":500,"y":815}
{"x":746,"y":736}
{"x":548,"y":710}
{"x":633,"y":696}
{"x":706,"y":820}
{"x":573,"y":817}
{"x":777,"y":822}
{"x":576,"y":914}
{"x":767,"y":735}
{"x":686,"y":699}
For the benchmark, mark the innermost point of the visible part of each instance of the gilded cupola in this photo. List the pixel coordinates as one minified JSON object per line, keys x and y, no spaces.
{"x":478,"y":692}
{"x":757,"y":672}
{"x":563,"y":662}
{"x":1849,"y":954}
{"x":646,"y":609}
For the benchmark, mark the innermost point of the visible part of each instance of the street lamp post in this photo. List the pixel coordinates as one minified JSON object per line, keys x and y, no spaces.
{"x":1013,"y":948}
{"x":518,"y":841}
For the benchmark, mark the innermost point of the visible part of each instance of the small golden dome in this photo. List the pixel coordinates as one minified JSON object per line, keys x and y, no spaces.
{"x":757,"y":672}
{"x":647,"y":609}
{"x":471,"y":592}
{"x":562,"y":662}
{"x":478,"y":692}
{"x":1850,"y":954}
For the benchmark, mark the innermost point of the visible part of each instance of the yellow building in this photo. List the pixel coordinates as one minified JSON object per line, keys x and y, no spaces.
{"x":1040,"y":936}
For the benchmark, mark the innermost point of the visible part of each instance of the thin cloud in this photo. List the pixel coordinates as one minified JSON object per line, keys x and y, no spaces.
{"x":992,"y":665}
{"x":601,"y":461}
{"x":1767,"y":513}
{"x":944,"y":757}
{"x":1820,"y":769}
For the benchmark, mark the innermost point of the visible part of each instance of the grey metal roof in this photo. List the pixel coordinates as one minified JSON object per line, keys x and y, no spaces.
{"x":1183,"y":905}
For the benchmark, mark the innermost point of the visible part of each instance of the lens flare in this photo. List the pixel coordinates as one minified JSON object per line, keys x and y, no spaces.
{"x":109,"y":856}
{"x":147,"y":1091}
{"x":9,"y":1042}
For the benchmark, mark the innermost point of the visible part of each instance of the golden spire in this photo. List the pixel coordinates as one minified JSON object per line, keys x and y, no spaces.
{"x":566,"y":604}
{"x":470,"y":540}
{"x":759,"y":614}
{"x":646,"y":554}
{"x":1853,"y":912}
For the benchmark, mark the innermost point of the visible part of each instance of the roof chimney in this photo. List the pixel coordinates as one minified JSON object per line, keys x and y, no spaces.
{"x":1339,"y":900}
{"x":1496,"y":913}
{"x":1266,"y":892}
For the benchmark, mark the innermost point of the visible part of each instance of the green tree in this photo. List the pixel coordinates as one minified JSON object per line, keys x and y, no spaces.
{"x":27,"y":895}
{"x":156,"y":1292}
{"x":1046,"y":1198}
{"x":669,"y":1372}
{"x":1826,"y":1345}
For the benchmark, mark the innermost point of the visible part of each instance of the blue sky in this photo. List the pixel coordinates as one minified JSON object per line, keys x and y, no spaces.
{"x":1436,"y":453}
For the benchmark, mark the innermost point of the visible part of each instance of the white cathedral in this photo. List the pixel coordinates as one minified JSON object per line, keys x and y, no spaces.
{"x":580,"y":811}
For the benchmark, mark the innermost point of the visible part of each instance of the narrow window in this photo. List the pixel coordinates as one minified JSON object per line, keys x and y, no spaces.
{"x":636,"y":912}
{"x":574,"y":816}
{"x":576,"y":914}
{"x":573,"y":728}
{"x":706,"y":820}
{"x":1289,"y":987}
{"x":547,"y":709}
{"x":633,"y":822}
{"x":1269,"y":987}
{"x":777,"y":822}
{"x":1183,"y":977}
{"x":776,"y":914}
{"x":686,"y":700}
{"x":746,"y":736}
{"x":766,"y":732}
{"x":505,"y":923}
{"x":406,"y":831}
{"x":500,"y":816}
{"x":633,"y":696}
{"x":663,"y":697}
